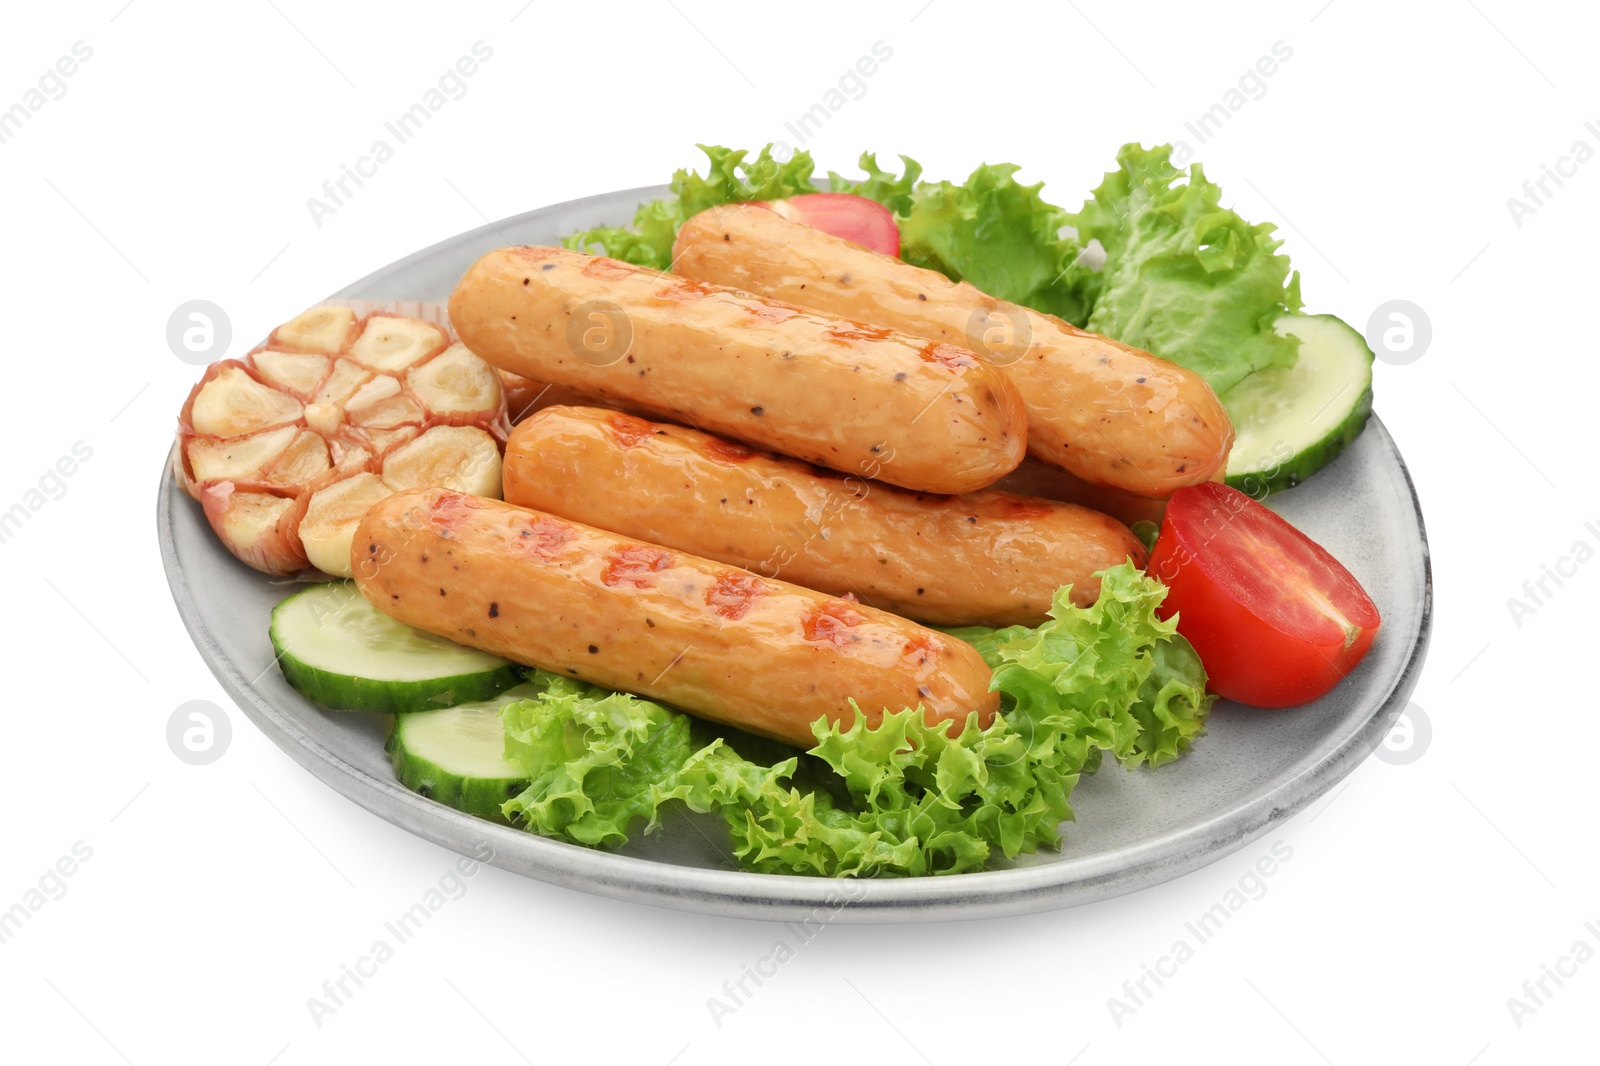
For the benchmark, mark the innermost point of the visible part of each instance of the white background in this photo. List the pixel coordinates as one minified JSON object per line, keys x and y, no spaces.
{"x":219,"y":898}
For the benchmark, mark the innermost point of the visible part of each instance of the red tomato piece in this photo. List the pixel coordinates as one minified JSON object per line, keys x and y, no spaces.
{"x":1276,"y":619}
{"x":843,"y":214}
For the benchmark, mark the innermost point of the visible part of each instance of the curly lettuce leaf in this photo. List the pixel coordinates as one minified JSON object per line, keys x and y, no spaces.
{"x":914,"y":799}
{"x":1172,"y":706}
{"x":890,"y":190}
{"x":777,"y":827}
{"x":998,"y":234}
{"x":1185,"y":278}
{"x":731,"y":177}
{"x":600,"y":761}
{"x":1115,"y":663}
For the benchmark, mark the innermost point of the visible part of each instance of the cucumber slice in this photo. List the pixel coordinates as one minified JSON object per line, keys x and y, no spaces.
{"x":456,"y":756}
{"x":1290,"y":422}
{"x":340,"y":651}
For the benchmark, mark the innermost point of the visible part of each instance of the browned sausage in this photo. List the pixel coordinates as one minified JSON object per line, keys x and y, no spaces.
{"x":986,"y":558}
{"x":860,"y":399}
{"x":725,"y":644}
{"x":1110,"y":414}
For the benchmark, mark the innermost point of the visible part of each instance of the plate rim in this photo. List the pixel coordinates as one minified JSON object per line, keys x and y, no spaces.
{"x":783,"y":897}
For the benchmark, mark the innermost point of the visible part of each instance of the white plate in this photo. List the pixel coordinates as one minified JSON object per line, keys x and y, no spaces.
{"x":1133,"y":829}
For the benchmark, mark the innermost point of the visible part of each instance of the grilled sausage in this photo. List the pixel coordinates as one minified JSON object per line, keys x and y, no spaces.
{"x":861,"y":399}
{"x":725,"y":644}
{"x":1108,"y":413}
{"x":987,"y":558}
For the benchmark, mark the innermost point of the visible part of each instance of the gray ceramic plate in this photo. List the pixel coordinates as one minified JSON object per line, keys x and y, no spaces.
{"x":1250,"y":770}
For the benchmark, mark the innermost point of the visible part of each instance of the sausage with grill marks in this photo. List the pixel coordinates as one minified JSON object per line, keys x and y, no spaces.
{"x":722,"y":643}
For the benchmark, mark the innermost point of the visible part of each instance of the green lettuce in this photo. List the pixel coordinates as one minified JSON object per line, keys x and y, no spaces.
{"x":891,"y":190}
{"x":599,"y":760}
{"x":1116,"y":663}
{"x":994,"y":232}
{"x":731,"y":177}
{"x":904,"y":798}
{"x":1185,"y":278}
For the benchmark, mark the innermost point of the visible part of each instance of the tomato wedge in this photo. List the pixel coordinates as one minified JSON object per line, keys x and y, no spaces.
{"x":1276,"y":619}
{"x":843,"y":214}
